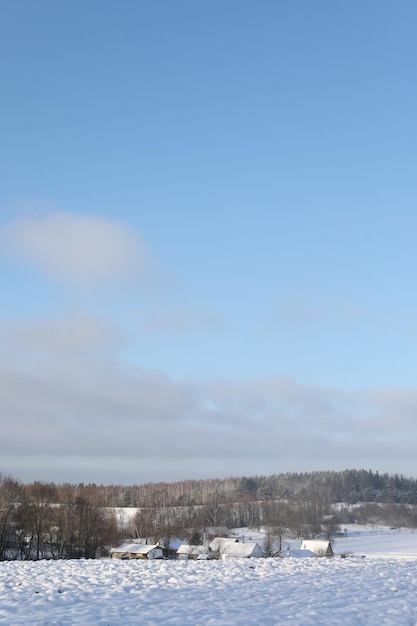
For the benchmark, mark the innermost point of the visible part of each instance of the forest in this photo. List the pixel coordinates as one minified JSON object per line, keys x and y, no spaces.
{"x":47,"y":520}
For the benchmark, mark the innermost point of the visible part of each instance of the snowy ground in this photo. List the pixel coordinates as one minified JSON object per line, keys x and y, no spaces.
{"x":360,"y":540}
{"x":378,"y":589}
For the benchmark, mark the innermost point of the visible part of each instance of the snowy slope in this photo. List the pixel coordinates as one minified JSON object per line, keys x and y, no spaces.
{"x":368,"y":591}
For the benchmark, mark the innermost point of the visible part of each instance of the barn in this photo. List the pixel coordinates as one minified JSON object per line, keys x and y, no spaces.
{"x":137,"y":551}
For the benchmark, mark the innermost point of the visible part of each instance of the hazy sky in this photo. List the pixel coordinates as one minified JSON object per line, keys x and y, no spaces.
{"x":208,"y":238}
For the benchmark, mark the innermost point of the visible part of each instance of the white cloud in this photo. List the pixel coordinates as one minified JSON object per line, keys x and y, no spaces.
{"x":136,"y":424}
{"x":79,"y":249}
{"x":73,"y":334}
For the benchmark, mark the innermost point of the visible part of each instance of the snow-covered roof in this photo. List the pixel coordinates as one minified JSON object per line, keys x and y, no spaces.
{"x":218,"y":542}
{"x":240,"y":550}
{"x":125,"y":547}
{"x":186,"y":548}
{"x":317,"y":546}
{"x":136,"y":548}
{"x":295,"y":553}
{"x":231,"y":547}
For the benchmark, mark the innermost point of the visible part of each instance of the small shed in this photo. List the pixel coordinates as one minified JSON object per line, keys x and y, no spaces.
{"x":317,"y":547}
{"x":187,"y":551}
{"x":137,"y":551}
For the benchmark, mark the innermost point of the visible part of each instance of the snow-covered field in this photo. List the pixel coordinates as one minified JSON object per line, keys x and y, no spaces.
{"x":378,"y":589}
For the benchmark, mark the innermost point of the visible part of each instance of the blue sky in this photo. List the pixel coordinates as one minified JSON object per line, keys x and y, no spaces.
{"x":207,"y":238}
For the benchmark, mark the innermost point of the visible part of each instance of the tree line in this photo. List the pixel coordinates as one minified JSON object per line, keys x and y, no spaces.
{"x":41,"y":520}
{"x":46,"y":520}
{"x":350,"y":486}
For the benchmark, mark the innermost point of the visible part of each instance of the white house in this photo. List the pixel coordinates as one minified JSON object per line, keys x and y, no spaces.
{"x":317,"y":547}
{"x":227,"y":548}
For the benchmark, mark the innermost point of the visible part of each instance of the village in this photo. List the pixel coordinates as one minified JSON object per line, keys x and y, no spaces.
{"x":218,"y":548}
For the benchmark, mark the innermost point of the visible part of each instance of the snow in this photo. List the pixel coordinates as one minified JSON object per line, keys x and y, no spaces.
{"x":378,"y":541}
{"x":378,"y":589}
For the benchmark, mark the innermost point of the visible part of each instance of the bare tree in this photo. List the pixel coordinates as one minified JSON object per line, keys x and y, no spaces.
{"x":40,"y":499}
{"x":10,"y":490}
{"x":275,"y":515}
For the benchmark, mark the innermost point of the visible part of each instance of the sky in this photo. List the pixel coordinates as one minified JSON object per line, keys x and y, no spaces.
{"x":207,"y":238}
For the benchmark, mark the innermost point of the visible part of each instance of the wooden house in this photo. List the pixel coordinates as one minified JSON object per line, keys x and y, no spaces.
{"x":137,"y":551}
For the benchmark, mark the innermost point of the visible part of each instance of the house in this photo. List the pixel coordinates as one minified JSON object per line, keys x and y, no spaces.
{"x":227,"y":548}
{"x":317,"y":547}
{"x":137,"y":551}
{"x":237,"y":550}
{"x":187,"y":551}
